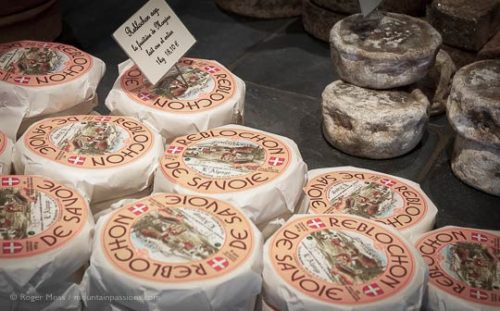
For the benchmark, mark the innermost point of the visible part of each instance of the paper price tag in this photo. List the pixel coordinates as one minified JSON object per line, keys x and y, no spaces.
{"x":155,"y":39}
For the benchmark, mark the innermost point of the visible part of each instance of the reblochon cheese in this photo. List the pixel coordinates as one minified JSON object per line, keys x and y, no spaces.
{"x":5,"y":154}
{"x":46,"y":230}
{"x":259,"y":172}
{"x":176,"y":252}
{"x":195,"y":96}
{"x":41,"y":78}
{"x":341,"y":262}
{"x":394,"y":201}
{"x":463,"y":268}
{"x":104,"y":157}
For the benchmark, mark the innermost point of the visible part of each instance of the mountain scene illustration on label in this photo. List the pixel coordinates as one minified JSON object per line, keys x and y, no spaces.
{"x":225,"y":159}
{"x":32,"y":63}
{"x":464,"y":263}
{"x":378,"y":197}
{"x":175,"y":238}
{"x":89,"y":141}
{"x":37,"y":215}
{"x":341,"y":259}
{"x":195,"y":85}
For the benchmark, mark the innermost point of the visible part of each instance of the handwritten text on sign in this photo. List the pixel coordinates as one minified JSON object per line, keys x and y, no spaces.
{"x":155,"y":39}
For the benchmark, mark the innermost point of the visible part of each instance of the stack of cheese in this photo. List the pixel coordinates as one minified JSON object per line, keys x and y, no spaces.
{"x":5,"y":154}
{"x":46,"y":232}
{"x":175,"y":252}
{"x":262,"y":8}
{"x":390,"y":200}
{"x":474,"y":113}
{"x":260,"y":173}
{"x":43,"y":79}
{"x":104,"y":157}
{"x":195,"y":95}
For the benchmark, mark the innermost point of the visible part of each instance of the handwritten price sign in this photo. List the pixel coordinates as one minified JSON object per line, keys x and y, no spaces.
{"x":155,"y":39}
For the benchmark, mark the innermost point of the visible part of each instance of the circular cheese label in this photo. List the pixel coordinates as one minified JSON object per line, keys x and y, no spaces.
{"x":175,"y":238}
{"x":37,"y":215}
{"x":464,"y":263}
{"x":33,"y":63}
{"x":370,"y":195}
{"x":341,"y":259}
{"x":225,"y":160}
{"x":89,"y":141}
{"x":191,"y":86}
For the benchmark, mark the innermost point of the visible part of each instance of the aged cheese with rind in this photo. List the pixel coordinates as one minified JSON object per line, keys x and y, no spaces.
{"x":6,"y":148}
{"x":258,"y":172}
{"x":318,"y":21}
{"x":262,"y":8}
{"x":410,"y":7}
{"x":205,"y":96}
{"x":384,"y":198}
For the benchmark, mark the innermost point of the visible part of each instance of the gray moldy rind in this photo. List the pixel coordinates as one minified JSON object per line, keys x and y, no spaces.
{"x":474,"y":102}
{"x":382,"y":52}
{"x":477,"y":165}
{"x":318,"y":21}
{"x":262,"y":8}
{"x":373,"y":124}
{"x":410,"y":7}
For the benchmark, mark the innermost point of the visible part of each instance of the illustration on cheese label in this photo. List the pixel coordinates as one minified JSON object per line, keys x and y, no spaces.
{"x":341,"y":259}
{"x":89,"y":141}
{"x":174,"y":238}
{"x":222,"y":160}
{"x":37,"y":215}
{"x":368,"y":195}
{"x":31,"y":63}
{"x":202,"y":85}
{"x":464,"y":263}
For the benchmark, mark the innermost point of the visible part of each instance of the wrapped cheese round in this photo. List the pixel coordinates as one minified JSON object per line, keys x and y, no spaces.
{"x":204,"y":96}
{"x":387,"y":199}
{"x":186,"y":252}
{"x":46,"y":230}
{"x":104,"y":157}
{"x":260,"y":173}
{"x":383,"y":51}
{"x":41,"y":78}
{"x":341,"y":262}
{"x":5,"y":154}
{"x":463,"y":269}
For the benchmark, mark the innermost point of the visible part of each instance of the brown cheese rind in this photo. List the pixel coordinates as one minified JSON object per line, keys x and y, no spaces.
{"x":319,"y":21}
{"x":262,"y":8}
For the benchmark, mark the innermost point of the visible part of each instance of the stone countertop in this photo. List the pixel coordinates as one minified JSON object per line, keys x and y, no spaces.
{"x":286,"y":71}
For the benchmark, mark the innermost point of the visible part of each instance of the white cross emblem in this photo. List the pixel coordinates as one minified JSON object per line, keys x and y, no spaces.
{"x":274,"y":161}
{"x":218,"y":263}
{"x":174,"y":149}
{"x":76,"y":160}
{"x":144,"y":96}
{"x":138,"y":208}
{"x":387,"y":182}
{"x":474,"y":293}
{"x":372,"y":290}
{"x":11,"y":248}
{"x":10,"y":181}
{"x":211,"y":69}
{"x":315,"y":223}
{"x":479,"y":237}
{"x":23,"y":80}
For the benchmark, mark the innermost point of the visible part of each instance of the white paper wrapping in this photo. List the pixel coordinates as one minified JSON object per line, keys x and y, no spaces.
{"x":6,"y":147}
{"x":285,"y":296}
{"x":44,"y":264}
{"x":446,"y":290}
{"x":408,"y":210}
{"x":73,"y":81}
{"x":262,"y":202}
{"x":233,"y":290}
{"x":97,"y":184}
{"x":105,"y":207}
{"x":125,"y":99}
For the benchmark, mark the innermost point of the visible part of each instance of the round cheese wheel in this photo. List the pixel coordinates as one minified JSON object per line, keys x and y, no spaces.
{"x":186,"y":252}
{"x":372,"y":123}
{"x":206,"y":95}
{"x":341,"y":262}
{"x":260,"y":173}
{"x":262,"y":8}
{"x":5,"y":154}
{"x":474,"y":102}
{"x":463,"y":268}
{"x":105,"y":157}
{"x":390,"y":200}
{"x":383,"y":51}
{"x":318,"y":21}
{"x":46,"y":230}
{"x":40,"y":78}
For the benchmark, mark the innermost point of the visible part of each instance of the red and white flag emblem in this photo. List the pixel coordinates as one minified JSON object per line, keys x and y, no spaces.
{"x":22,"y":79}
{"x":211,"y":69}
{"x":388,"y":182}
{"x":478,"y":294}
{"x":218,"y":263}
{"x":373,"y":290}
{"x":476,"y":236}
{"x":144,"y":96}
{"x":275,"y":161}
{"x":11,"y":247}
{"x":138,"y":208}
{"x":315,"y":223}
{"x":76,"y":160}
{"x":10,"y":181}
{"x":174,"y":149}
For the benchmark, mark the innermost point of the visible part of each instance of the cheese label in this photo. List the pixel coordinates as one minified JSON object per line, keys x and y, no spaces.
{"x":225,"y":160}
{"x":175,"y":238}
{"x":203,"y":85}
{"x":89,"y":141}
{"x":379,"y":197}
{"x":33,"y":63}
{"x":3,"y":142}
{"x":464,"y":263}
{"x":37,"y":215}
{"x":341,"y":259}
